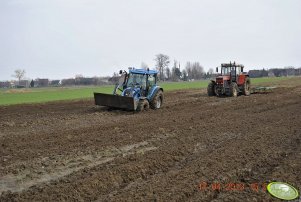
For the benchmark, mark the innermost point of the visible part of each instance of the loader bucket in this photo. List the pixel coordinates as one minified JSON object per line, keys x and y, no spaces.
{"x":115,"y":101}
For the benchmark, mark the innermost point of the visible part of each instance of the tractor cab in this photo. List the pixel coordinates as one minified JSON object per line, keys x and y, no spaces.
{"x":139,"y":79}
{"x":229,"y":72}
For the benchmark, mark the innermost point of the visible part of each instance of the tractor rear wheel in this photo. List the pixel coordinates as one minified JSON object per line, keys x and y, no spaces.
{"x":233,"y":90}
{"x":143,"y":105}
{"x":211,"y":89}
{"x":157,"y":101}
{"x":246,"y":87}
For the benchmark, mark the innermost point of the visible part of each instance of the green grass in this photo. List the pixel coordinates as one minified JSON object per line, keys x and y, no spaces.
{"x":38,"y":95}
{"x":268,"y":79}
{"x":18,"y":96}
{"x":170,"y":86}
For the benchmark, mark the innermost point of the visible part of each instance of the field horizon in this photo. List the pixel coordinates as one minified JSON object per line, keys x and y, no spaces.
{"x":15,"y":96}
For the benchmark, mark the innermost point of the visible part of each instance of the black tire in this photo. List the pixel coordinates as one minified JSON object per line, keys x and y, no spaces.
{"x":247,"y":87}
{"x":218,"y":93}
{"x":233,"y":90}
{"x":157,"y":101}
{"x":211,"y":89}
{"x":142,"y":105}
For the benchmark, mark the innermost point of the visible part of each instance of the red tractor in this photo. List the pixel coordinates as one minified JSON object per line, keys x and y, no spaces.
{"x":230,"y":82}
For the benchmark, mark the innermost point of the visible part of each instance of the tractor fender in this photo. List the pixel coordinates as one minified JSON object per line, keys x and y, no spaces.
{"x":153,"y":92}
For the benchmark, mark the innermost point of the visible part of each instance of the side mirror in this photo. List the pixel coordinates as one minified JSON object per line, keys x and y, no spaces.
{"x":216,"y":69}
{"x":242,"y":69}
{"x":120,"y":71}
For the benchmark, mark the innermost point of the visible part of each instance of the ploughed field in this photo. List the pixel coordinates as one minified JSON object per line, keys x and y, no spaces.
{"x":196,"y":148}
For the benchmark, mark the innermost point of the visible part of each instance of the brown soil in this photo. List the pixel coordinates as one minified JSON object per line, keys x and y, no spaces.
{"x":77,"y":151}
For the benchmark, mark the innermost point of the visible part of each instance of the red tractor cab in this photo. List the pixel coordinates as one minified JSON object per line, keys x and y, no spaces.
{"x":231,"y":81}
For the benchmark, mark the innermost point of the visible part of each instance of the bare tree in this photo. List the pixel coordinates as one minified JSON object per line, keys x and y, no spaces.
{"x":188,"y":70}
{"x":184,"y":75}
{"x":209,"y":74}
{"x":210,"y":71}
{"x":19,"y":74}
{"x":198,"y":70}
{"x":194,"y":70}
{"x":115,"y":78}
{"x":175,"y":71}
{"x":78,"y":79}
{"x":168,"y":73}
{"x":162,"y":62}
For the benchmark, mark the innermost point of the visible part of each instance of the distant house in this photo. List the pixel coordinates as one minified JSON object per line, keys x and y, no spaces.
{"x":24,"y":83}
{"x":42,"y":82}
{"x":298,"y":71}
{"x":68,"y":82}
{"x":278,"y":72}
{"x":13,"y":84}
{"x":254,"y":73}
{"x":4,"y":84}
{"x":103,"y":80}
{"x":55,"y":82}
{"x":290,"y":71}
{"x":258,"y":73}
{"x":84,"y":81}
{"x":271,"y":73}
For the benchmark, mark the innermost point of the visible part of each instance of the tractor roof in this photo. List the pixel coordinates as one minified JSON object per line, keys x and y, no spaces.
{"x":231,"y":65}
{"x":143,"y":71}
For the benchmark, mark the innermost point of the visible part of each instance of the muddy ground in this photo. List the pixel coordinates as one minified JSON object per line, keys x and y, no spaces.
{"x":196,"y":148}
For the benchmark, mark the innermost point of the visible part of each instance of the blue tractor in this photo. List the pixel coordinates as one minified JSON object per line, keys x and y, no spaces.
{"x":137,"y":90}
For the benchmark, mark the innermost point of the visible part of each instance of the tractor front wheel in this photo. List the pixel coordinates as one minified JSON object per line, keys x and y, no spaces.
{"x":211,"y":89}
{"x":143,"y":105}
{"x":246,"y":87}
{"x":233,"y":90}
{"x":157,"y":101}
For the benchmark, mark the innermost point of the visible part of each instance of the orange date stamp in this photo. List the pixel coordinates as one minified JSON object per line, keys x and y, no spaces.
{"x":231,"y":186}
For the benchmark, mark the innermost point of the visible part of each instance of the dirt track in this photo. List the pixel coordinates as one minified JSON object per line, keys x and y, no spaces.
{"x":75,"y":151}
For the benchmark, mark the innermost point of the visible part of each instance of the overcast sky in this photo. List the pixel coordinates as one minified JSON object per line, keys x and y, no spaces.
{"x":62,"y":38}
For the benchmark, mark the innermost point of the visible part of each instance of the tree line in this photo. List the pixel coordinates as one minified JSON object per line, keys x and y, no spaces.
{"x":275,"y":72}
{"x":191,"y":70}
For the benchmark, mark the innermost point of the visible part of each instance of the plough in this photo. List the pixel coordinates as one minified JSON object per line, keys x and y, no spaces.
{"x":262,"y":89}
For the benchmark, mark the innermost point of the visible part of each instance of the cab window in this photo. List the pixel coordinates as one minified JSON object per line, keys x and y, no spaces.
{"x":151,"y":80}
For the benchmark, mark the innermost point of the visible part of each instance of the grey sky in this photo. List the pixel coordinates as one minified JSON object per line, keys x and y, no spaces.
{"x":61,"y":38}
